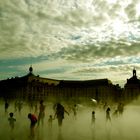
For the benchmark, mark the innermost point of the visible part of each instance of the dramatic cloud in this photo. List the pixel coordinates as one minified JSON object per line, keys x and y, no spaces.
{"x":76,"y":33}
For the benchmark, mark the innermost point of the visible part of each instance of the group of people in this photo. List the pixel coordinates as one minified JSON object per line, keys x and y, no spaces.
{"x":118,"y":111}
{"x":59,"y":114}
{"x":34,"y":119}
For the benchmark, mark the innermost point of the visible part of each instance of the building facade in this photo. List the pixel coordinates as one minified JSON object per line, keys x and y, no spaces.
{"x":132,"y":88}
{"x":32,"y":87}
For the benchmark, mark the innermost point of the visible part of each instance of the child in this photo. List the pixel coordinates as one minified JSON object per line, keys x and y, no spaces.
{"x":50,"y":121}
{"x":33,"y":120}
{"x":11,"y":120}
{"x":93,"y":117}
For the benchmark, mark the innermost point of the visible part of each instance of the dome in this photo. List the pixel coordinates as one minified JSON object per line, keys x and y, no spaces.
{"x":30,"y":69}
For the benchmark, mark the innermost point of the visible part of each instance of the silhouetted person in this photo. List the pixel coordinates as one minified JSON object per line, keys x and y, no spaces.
{"x":15,"y":105}
{"x":11,"y":120}
{"x":108,"y":118}
{"x":93,"y":124}
{"x":19,"y":106}
{"x":74,"y":110}
{"x":105,"y":106}
{"x":35,"y":107}
{"x":33,"y":120}
{"x":41,"y":112}
{"x":93,"y":118}
{"x":120,"y":108}
{"x":115,"y":113}
{"x":6,"y":106}
{"x":31,"y":106}
{"x":50,"y":120}
{"x":60,"y":110}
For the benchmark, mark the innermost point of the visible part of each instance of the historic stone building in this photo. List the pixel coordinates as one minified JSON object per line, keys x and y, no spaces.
{"x":34,"y":87}
{"x":132,"y":88}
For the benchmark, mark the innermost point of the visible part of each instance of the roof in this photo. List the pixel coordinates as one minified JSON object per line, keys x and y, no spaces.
{"x":133,"y":80}
{"x":30,"y":77}
{"x":98,"y":82}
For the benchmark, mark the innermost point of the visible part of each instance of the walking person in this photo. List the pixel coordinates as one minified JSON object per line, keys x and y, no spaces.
{"x":74,"y":109}
{"x":41,"y":113}
{"x":6,"y":107}
{"x":108,"y":118}
{"x":60,"y":110}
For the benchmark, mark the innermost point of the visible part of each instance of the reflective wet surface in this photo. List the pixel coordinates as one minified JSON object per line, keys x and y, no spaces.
{"x":77,"y":126}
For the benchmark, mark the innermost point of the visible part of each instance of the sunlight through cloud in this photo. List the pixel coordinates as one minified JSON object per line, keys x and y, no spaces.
{"x":76,"y":31}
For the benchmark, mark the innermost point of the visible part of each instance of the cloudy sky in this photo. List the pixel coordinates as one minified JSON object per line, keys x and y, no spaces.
{"x":70,"y":39}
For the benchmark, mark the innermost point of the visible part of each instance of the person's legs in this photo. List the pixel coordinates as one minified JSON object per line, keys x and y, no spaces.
{"x":60,"y":122}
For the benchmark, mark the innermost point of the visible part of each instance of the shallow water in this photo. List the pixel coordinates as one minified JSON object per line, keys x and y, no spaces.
{"x":124,"y":127}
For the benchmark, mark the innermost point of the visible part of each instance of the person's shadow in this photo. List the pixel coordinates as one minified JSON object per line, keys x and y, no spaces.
{"x":60,"y":136}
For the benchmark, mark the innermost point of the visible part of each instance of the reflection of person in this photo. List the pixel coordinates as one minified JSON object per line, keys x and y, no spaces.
{"x":41,"y":112}
{"x":11,"y":120}
{"x":33,"y":120}
{"x":60,"y":113}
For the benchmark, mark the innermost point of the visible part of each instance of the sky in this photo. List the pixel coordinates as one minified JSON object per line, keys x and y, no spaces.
{"x":70,"y":40}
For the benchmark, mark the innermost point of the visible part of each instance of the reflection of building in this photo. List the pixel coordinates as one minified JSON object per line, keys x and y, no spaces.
{"x":35,"y":87}
{"x":132,"y":87}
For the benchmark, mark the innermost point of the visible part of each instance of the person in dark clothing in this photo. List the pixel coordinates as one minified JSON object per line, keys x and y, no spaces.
{"x":74,"y":109}
{"x":120,"y":108}
{"x":60,"y":110}
{"x":108,"y":118}
{"x":6,"y":106}
{"x":93,"y":118}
